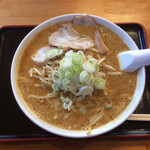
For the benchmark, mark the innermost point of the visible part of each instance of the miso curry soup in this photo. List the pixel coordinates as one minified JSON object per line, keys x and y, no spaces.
{"x":69,"y":75}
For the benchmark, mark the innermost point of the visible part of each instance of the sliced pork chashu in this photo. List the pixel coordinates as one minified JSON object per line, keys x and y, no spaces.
{"x":84,"y":20}
{"x":87,"y":20}
{"x":67,"y":38}
{"x":103,"y":49}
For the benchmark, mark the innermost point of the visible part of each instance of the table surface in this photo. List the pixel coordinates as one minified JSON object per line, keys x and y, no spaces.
{"x":33,"y":12}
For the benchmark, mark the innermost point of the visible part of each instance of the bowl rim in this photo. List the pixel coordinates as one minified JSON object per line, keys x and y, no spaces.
{"x":55,"y":130}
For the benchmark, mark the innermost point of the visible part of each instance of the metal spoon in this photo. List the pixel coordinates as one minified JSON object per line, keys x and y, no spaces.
{"x":132,"y":60}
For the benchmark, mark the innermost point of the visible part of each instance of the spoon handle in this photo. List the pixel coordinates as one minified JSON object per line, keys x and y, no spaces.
{"x":130,"y":61}
{"x":142,"y":57}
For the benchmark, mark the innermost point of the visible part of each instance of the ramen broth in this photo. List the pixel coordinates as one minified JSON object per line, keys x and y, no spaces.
{"x":89,"y":112}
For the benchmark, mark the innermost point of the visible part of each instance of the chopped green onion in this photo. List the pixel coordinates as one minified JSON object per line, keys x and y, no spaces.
{"x":68,"y":75}
{"x":107,"y":103}
{"x":77,"y":58}
{"x":92,"y":60}
{"x":50,"y":54}
{"x":59,"y":48}
{"x":65,"y":83}
{"x":54,"y":53}
{"x":69,"y":53}
{"x":76,"y":75}
{"x":64,"y":99}
{"x":96,"y":66}
{"x":86,"y":77}
{"x":88,"y":67}
{"x":61,"y":73}
{"x":76,"y":68}
{"x":54,"y":87}
{"x":67,"y":103}
{"x":85,"y":91}
{"x":99,"y":83}
{"x":66,"y":63}
{"x":81,"y":52}
{"x":83,"y":110}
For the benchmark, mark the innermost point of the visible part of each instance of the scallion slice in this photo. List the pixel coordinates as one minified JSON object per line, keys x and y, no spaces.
{"x":108,"y":103}
{"x":88,"y":67}
{"x":83,"y":110}
{"x":99,"y":83}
